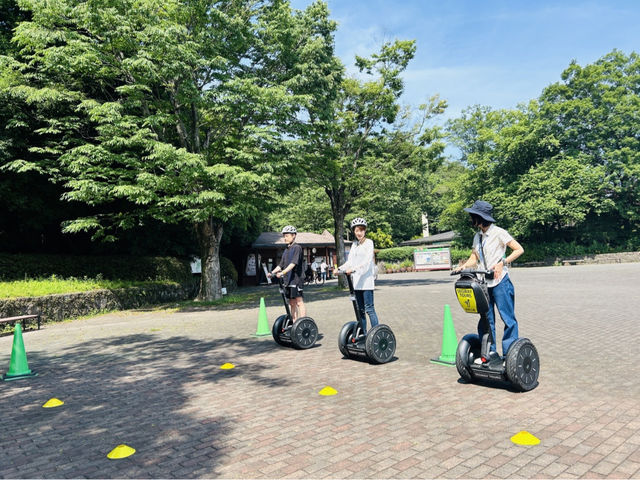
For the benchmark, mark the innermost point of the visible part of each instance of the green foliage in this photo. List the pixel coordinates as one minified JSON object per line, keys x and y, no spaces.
{"x":306,"y":207}
{"x":340,"y":141}
{"x":228,"y":270}
{"x":550,"y":252}
{"x":20,"y":267}
{"x":187,"y":112}
{"x":397,"y":254}
{"x":563,"y":168}
{"x":55,"y":285}
{"x":380,"y":239}
{"x":459,"y":254}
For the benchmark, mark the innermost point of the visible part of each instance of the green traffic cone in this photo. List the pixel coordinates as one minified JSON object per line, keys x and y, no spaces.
{"x":18,"y":366}
{"x":449,"y":340}
{"x":263,"y":324}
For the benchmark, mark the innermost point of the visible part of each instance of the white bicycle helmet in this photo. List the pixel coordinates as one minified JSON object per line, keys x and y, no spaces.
{"x":358,"y":222}
{"x":289,"y":229}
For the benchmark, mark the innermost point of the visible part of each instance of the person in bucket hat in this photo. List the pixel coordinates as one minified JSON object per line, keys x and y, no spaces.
{"x":489,"y":251}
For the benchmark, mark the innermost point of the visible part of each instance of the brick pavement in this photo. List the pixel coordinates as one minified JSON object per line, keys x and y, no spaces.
{"x":151,"y":379}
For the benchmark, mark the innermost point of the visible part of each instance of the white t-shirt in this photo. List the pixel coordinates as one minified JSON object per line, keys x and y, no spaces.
{"x":361,"y":262}
{"x":494,"y":245}
{"x":323,"y":267}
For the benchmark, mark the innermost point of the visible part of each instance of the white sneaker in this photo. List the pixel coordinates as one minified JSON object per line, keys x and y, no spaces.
{"x":478,"y":361}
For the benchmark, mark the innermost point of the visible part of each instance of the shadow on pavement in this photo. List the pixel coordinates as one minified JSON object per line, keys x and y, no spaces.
{"x":132,"y":389}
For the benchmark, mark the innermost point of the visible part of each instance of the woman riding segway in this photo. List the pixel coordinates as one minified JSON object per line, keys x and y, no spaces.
{"x":379,"y":344}
{"x":482,"y":289}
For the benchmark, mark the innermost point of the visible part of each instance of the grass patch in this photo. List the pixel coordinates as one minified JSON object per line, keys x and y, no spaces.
{"x":225,"y":300}
{"x":55,"y":285}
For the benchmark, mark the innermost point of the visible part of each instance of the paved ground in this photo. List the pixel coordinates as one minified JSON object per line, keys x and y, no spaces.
{"x":151,"y":380}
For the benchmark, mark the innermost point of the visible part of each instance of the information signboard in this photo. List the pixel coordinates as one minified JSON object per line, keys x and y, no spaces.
{"x":432,"y":258}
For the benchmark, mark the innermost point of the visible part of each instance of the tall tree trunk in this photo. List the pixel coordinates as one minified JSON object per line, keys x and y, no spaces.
{"x":209,"y":236}
{"x":336,"y":196}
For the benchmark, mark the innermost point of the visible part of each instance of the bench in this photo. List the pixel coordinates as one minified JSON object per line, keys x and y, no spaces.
{"x":572,"y":262}
{"x":22,"y":318}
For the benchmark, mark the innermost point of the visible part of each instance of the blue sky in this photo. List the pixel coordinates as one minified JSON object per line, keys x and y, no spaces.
{"x":486,"y":52}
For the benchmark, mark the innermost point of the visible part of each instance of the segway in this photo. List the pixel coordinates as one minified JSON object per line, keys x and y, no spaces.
{"x":301,"y":334}
{"x":520,"y":366}
{"x":378,"y":345}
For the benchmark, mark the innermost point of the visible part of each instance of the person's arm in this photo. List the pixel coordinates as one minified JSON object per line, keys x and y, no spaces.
{"x":292,"y":265}
{"x":516,"y":251}
{"x":472,"y":261}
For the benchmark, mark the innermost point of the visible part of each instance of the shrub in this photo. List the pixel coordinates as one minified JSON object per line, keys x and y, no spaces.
{"x":458,"y":254}
{"x":397,"y":254}
{"x":228,"y":272}
{"x":112,"y":267}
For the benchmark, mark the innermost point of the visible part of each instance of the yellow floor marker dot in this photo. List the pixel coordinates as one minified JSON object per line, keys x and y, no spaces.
{"x":53,"y":402}
{"x":121,"y":451}
{"x":227,"y":366}
{"x":328,"y":391}
{"x":525,"y":438}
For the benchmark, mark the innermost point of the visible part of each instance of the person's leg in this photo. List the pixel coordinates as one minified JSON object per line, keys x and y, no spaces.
{"x":302,"y":310}
{"x":361,"y":315}
{"x":293,"y":306}
{"x":296,"y":303}
{"x":492,"y":323}
{"x":505,"y":297}
{"x":369,"y":308}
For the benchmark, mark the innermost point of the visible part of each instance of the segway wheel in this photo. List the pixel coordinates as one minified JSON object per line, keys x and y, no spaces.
{"x":381,"y":344}
{"x":468,"y":350}
{"x":304,"y":333}
{"x":523,"y":365}
{"x":276,"y":331}
{"x":343,"y":339}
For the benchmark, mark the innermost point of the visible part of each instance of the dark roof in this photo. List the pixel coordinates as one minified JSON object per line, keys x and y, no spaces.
{"x":305,"y":239}
{"x":444,"y":237}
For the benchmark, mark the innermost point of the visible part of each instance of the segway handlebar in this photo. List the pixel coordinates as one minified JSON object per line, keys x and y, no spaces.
{"x":471,"y":271}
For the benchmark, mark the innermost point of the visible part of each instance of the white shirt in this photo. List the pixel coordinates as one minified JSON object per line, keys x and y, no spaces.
{"x":323,"y":267}
{"x":361,"y":262}
{"x":494,"y":245}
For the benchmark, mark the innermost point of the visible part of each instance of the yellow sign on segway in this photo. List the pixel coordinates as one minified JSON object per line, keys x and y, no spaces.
{"x":467,"y":300}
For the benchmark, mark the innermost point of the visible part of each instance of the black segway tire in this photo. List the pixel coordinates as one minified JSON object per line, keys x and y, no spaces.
{"x":380,"y":344}
{"x":468,"y":350}
{"x":523,"y":365}
{"x":276,"y":330}
{"x":343,"y":338}
{"x":304,"y":333}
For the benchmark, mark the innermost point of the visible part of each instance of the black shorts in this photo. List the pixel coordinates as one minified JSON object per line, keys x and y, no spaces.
{"x":293,"y":291}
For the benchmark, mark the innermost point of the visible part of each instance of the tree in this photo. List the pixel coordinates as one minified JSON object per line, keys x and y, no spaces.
{"x":564,"y":167}
{"x":593,"y":114}
{"x":175,"y":110}
{"x":339,"y":144}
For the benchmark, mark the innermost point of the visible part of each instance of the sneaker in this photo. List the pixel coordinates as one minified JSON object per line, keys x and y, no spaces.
{"x":478,"y":361}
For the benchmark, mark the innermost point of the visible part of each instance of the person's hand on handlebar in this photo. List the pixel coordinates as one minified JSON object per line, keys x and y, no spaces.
{"x":275,"y":273}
